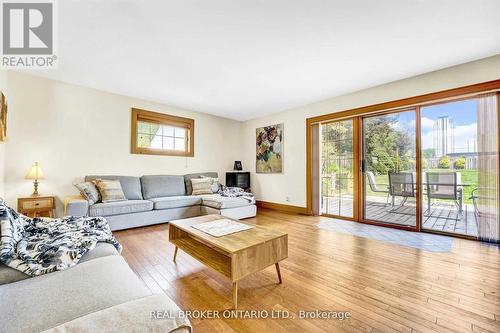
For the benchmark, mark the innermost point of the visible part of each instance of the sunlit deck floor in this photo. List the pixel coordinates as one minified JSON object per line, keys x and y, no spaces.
{"x":443,"y":215}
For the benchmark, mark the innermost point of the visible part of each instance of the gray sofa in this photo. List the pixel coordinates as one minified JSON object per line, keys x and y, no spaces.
{"x":100,"y":294}
{"x":158,"y":199}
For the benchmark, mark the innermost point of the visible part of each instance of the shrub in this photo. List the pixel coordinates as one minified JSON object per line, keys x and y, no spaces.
{"x":459,"y":163}
{"x":444,"y":162}
{"x":425,"y":163}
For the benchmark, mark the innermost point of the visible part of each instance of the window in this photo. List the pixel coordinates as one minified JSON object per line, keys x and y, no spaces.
{"x":161,"y":134}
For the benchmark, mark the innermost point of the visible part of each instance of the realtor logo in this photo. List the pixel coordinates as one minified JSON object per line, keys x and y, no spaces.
{"x":28,"y":32}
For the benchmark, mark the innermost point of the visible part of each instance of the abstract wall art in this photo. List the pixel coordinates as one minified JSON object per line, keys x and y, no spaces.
{"x":269,"y":145}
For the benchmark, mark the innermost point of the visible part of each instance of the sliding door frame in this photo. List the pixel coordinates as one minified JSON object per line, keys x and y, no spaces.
{"x":355,"y":167}
{"x":418,"y":169}
{"x":415,"y":103}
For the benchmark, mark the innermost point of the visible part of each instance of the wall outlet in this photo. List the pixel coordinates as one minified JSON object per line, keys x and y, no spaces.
{"x":287,"y":199}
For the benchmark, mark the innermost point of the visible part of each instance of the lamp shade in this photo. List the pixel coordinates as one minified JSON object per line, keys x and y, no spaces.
{"x":35,"y":172}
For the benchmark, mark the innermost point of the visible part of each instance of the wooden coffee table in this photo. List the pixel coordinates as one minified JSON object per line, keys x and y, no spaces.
{"x":236,"y":255}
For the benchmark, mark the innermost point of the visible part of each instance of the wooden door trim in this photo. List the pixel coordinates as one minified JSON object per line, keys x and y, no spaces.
{"x":361,"y":176}
{"x":418,"y":168}
{"x":355,"y":166}
{"x":309,"y":165}
{"x":498,"y":160}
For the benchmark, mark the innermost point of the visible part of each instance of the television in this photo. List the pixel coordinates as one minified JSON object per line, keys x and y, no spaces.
{"x":238,"y":179}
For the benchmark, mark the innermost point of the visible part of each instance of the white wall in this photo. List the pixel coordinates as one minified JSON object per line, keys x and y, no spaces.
{"x":292,"y":182}
{"x":74,"y":131}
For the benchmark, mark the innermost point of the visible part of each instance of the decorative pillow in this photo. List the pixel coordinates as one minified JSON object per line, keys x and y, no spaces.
{"x":89,"y":192}
{"x":111,"y":190}
{"x":201,"y":186}
{"x":214,"y":183}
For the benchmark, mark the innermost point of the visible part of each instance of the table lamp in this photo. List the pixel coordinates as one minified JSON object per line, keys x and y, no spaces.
{"x":35,"y":173}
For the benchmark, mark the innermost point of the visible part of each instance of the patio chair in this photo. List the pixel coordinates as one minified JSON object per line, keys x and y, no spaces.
{"x":401,"y":184}
{"x":443,"y":186}
{"x":374,"y":187}
{"x":474,"y":197}
{"x":481,"y":203}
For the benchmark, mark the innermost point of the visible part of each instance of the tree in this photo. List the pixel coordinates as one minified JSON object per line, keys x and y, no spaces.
{"x":388,"y":148}
{"x":459,"y":163}
{"x":429,"y":153}
{"x":444,"y":162}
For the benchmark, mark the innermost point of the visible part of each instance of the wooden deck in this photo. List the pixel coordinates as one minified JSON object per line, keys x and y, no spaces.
{"x":443,"y":216}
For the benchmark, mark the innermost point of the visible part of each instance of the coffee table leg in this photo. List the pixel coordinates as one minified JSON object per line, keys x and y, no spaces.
{"x":235,"y":294}
{"x":175,"y":252}
{"x":278,"y":271}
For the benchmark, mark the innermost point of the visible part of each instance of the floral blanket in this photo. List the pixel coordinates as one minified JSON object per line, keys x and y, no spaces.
{"x":36,"y":246}
{"x":234,"y":192}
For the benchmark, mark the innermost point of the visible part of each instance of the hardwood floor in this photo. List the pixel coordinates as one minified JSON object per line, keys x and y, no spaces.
{"x":385,"y":287}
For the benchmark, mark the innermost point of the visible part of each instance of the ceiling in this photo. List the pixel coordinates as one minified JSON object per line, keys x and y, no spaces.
{"x":245,"y":59}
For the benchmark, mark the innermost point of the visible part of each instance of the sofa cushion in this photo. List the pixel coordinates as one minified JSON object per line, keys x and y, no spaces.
{"x":236,"y":213}
{"x":120,"y":207}
{"x":49,"y":300}
{"x":89,"y":191}
{"x":131,"y":186}
{"x":219,"y":202}
{"x":188,"y":177}
{"x":101,"y":249}
{"x":110,"y":190}
{"x":155,"y":216}
{"x":201,"y":186}
{"x":214,"y":184}
{"x":9,"y":274}
{"x":159,"y":186}
{"x":175,"y":202}
{"x":133,"y":316}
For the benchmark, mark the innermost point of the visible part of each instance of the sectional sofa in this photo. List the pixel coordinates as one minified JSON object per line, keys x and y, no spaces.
{"x":100,"y":294}
{"x":158,"y":199}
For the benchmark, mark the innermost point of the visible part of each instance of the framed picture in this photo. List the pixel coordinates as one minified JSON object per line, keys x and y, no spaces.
{"x":238,"y":166}
{"x":269,"y":146}
{"x":3,"y":117}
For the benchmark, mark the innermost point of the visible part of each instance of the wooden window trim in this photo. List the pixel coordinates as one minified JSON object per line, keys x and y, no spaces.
{"x":163,"y":119}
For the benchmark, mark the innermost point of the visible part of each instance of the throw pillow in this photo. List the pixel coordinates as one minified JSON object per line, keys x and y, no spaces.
{"x":89,"y":192}
{"x":201,"y":186}
{"x":214,"y":183}
{"x":111,"y":190}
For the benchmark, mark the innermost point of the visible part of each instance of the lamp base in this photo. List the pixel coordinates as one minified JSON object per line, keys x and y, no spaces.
{"x":35,"y":189}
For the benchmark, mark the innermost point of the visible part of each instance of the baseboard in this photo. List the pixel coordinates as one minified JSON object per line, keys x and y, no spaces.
{"x":282,"y":207}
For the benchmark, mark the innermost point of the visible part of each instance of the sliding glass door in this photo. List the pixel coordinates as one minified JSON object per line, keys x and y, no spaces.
{"x":389,"y":168}
{"x":337,"y":169}
{"x":460,"y":166}
{"x":431,"y":167}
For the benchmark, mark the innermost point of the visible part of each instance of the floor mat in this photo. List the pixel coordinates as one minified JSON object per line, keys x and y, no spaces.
{"x":418,"y":240}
